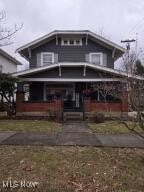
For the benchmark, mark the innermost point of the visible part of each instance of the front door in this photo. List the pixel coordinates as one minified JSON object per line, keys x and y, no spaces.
{"x":79,"y":96}
{"x":74,"y":101}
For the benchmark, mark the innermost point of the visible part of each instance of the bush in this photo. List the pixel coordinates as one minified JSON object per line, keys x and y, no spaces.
{"x":98,"y":118}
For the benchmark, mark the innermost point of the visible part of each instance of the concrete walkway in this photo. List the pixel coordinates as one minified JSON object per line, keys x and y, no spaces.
{"x":72,"y":134}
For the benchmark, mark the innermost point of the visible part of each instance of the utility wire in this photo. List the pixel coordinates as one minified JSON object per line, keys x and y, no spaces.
{"x":140,"y":22}
{"x":136,"y":25}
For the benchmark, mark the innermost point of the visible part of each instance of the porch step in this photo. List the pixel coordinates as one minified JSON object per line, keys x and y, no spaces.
{"x":72,"y":116}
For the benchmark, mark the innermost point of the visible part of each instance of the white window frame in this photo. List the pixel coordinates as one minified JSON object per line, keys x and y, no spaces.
{"x":101,"y":57}
{"x":62,"y":42}
{"x":43,"y":53}
{"x":68,"y":42}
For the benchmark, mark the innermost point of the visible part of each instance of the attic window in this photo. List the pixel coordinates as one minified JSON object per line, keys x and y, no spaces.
{"x":71,"y":42}
{"x":65,"y":42}
{"x":78,"y":42}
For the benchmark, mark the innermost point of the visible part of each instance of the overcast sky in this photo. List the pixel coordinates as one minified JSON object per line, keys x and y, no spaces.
{"x":116,"y":20}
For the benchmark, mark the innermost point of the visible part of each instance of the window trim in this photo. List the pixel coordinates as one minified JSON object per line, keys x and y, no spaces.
{"x":43,"y":53}
{"x":68,"y":42}
{"x":96,"y":53}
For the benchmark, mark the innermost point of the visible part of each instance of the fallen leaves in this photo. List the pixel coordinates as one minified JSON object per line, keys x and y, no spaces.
{"x":26,"y":165}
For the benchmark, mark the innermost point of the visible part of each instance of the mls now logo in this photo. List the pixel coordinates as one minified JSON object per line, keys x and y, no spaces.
{"x":19,"y":184}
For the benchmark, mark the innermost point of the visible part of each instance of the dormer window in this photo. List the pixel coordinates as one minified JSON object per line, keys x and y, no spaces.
{"x":47,"y":58}
{"x":78,"y":42}
{"x":71,"y":42}
{"x":65,"y":42}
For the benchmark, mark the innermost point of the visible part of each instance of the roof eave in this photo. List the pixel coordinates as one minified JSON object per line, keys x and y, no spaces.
{"x":28,"y":45}
{"x":9,"y":57}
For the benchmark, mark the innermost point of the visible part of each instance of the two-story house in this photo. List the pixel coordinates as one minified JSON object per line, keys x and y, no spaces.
{"x":65,"y":69}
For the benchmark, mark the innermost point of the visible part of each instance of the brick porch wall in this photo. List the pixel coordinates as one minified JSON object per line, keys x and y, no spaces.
{"x":122,"y":106}
{"x":38,"y":107}
{"x":31,"y":108}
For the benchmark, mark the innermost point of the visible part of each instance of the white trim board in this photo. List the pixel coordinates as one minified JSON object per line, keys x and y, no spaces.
{"x":69,"y":80}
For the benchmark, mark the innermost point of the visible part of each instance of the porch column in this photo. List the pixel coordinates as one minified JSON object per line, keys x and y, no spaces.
{"x":19,"y":101}
{"x":125,"y":107}
{"x":19,"y":97}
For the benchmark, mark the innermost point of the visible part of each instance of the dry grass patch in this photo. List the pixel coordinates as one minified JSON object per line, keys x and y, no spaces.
{"x":111,"y":127}
{"x":30,"y":125}
{"x":73,"y":169}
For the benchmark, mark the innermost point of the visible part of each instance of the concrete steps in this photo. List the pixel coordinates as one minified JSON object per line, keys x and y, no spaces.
{"x":72,"y":116}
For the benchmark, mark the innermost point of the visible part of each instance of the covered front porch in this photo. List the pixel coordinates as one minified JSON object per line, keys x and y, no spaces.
{"x":71,"y":87}
{"x":56,"y":98}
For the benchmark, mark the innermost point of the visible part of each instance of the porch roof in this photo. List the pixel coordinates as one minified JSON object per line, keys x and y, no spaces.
{"x":85,"y":65}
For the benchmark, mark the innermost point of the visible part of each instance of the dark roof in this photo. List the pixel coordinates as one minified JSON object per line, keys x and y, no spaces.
{"x":9,"y":57}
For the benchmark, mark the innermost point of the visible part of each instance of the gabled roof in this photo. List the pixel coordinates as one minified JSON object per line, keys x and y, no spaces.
{"x":87,"y":33}
{"x":9,"y":57}
{"x":97,"y":67}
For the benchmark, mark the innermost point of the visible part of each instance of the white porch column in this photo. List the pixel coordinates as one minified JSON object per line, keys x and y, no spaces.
{"x":44,"y":91}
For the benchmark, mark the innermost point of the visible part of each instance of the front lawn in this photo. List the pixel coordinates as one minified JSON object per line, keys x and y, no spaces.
{"x":30,"y":125}
{"x":74,"y":169}
{"x":111,"y":127}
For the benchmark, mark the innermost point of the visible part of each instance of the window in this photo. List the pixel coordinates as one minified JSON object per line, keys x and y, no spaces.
{"x":47,"y":58}
{"x":78,"y":42}
{"x":26,"y":88}
{"x":96,"y":58}
{"x":71,"y":42}
{"x":65,"y":42}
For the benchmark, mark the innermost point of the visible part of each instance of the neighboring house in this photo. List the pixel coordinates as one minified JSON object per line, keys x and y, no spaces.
{"x":65,"y":69}
{"x":8,"y":64}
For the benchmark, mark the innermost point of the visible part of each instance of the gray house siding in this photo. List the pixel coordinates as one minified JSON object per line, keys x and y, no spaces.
{"x":71,"y":53}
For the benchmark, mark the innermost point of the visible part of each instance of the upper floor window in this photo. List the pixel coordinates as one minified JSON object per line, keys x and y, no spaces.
{"x":47,"y":58}
{"x":96,"y":58}
{"x":71,"y":42}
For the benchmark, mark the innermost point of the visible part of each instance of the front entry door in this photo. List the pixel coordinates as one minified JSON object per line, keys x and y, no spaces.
{"x":79,"y":96}
{"x":75,"y":101}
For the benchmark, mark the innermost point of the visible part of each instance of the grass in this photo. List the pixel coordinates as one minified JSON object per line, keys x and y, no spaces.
{"x":74,"y":169}
{"x":111,"y":127}
{"x":30,"y":125}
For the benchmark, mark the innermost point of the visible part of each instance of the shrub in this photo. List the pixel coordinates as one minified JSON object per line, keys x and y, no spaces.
{"x":98,"y":118}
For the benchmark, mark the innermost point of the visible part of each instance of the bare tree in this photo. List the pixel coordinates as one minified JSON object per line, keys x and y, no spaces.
{"x":6,"y":33}
{"x":135,"y":89}
{"x":107,"y":89}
